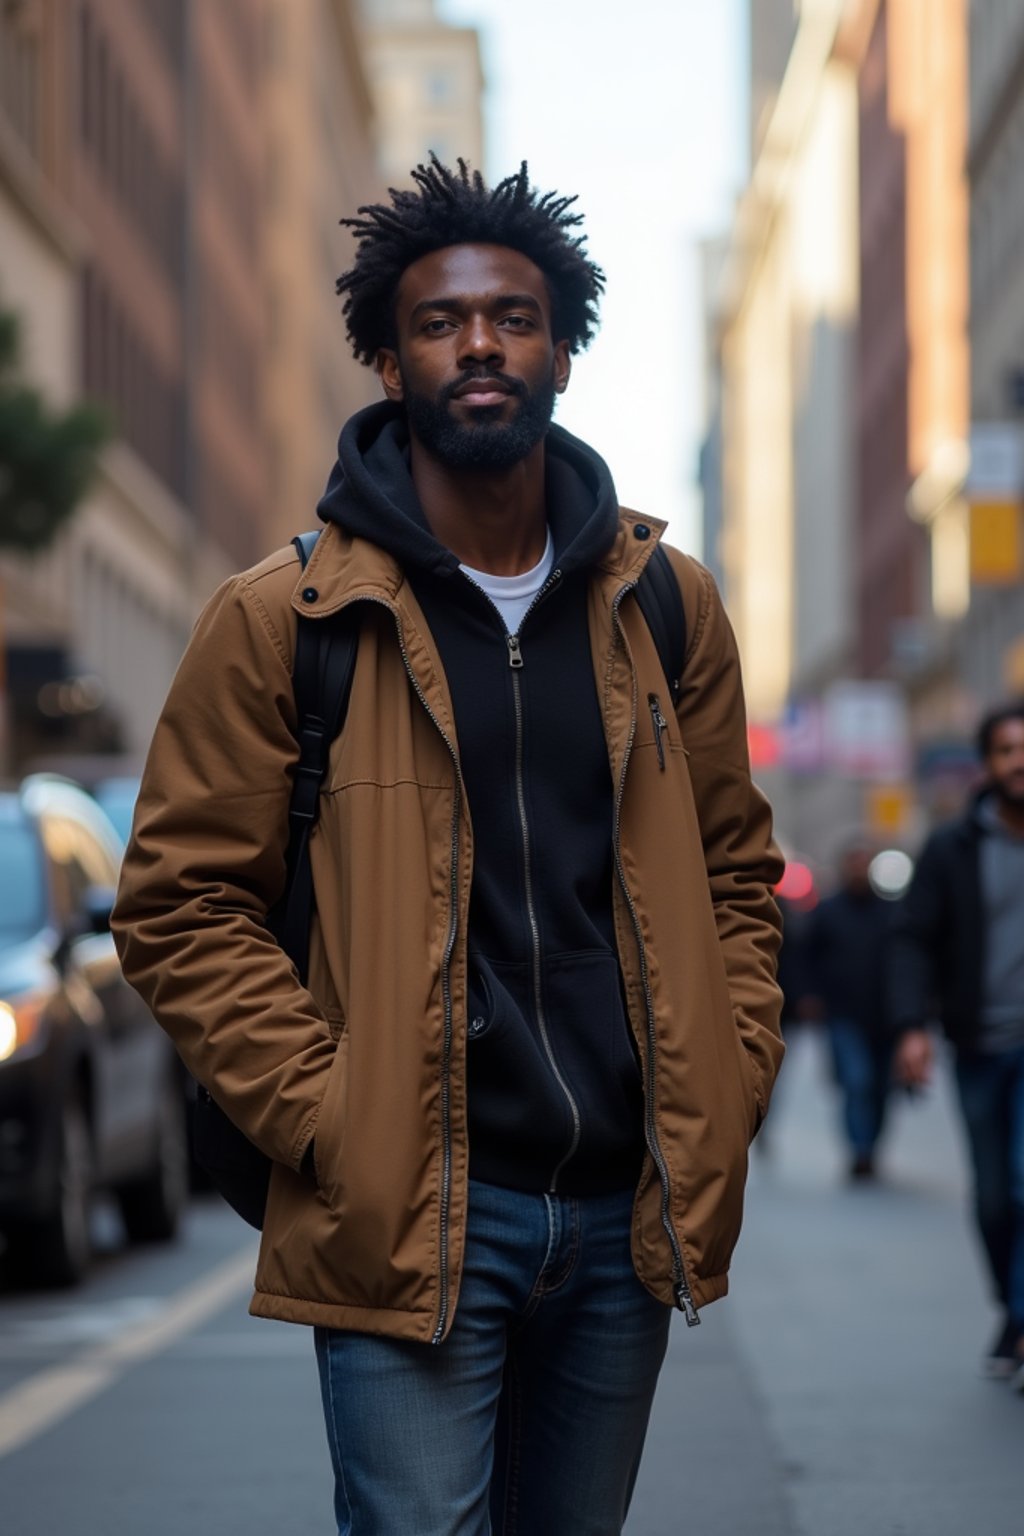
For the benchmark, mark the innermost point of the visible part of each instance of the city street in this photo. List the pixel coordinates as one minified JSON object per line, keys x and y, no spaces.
{"x":835,"y":1393}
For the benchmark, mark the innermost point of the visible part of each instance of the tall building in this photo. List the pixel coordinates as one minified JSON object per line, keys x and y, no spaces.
{"x":319,"y":167}
{"x":427,"y":85}
{"x":786,"y":326}
{"x":992,"y":648}
{"x":169,"y":175}
{"x":771,"y":30}
{"x":910,"y":547}
{"x":91,"y":165}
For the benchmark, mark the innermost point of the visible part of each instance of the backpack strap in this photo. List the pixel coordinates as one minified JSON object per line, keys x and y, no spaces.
{"x":661,"y":603}
{"x":325,"y":660}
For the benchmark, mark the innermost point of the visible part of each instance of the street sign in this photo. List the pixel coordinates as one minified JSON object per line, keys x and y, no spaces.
{"x":866,"y":731}
{"x":995,"y":542}
{"x":995,"y":492}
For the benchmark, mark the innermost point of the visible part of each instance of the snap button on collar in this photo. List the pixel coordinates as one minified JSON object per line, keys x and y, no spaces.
{"x":641,"y":531}
{"x":310,"y":594}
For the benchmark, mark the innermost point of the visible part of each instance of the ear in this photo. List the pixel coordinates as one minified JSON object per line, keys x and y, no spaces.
{"x":563,"y":367}
{"x":390,"y":374}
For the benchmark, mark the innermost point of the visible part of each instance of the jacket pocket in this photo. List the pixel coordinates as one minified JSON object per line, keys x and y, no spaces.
{"x":750,"y":1086}
{"x":330,"y":1126}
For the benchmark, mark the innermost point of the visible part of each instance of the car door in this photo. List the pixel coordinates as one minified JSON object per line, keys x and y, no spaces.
{"x":126,"y":1047}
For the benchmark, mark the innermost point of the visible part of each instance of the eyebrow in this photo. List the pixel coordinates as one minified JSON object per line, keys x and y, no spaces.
{"x":500,"y":301}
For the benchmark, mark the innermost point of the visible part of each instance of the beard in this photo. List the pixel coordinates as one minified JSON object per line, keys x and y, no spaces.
{"x":482,"y":442}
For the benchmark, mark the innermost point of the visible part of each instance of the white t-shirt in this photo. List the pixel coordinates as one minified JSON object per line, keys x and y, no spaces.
{"x":512,"y":595}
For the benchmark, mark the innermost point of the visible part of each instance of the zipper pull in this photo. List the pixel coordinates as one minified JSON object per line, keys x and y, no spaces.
{"x":684,"y":1301}
{"x":660,"y":724}
{"x":515,"y":655}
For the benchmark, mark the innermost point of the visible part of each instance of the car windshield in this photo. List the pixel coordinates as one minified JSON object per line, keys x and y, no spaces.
{"x":22,"y":896}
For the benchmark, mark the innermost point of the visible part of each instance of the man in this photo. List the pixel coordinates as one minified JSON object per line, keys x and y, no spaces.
{"x":959,"y":953}
{"x":846,"y":943}
{"x":510,"y":1116}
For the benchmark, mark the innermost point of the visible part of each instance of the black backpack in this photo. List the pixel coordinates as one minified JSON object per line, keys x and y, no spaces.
{"x":325,"y":659}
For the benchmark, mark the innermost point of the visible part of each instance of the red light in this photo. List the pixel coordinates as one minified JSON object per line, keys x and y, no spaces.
{"x":797,"y":884}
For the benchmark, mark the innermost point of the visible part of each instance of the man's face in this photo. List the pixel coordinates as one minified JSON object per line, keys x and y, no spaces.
{"x":475,"y":365}
{"x":1004,"y":762}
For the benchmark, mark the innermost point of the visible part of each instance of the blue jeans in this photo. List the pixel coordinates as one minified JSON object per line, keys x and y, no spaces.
{"x":529,"y":1420}
{"x":992,"y":1100}
{"x":862,"y":1066}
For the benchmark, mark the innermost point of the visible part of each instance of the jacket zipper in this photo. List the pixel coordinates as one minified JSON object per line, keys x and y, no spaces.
{"x":446,"y":991}
{"x":680,"y":1284}
{"x":660,"y":724}
{"x":515,"y":661}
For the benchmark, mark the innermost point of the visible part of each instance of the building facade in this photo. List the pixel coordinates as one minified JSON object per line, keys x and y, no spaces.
{"x":320,"y":165}
{"x":427,"y":84}
{"x":992,"y":641}
{"x":786,"y":323}
{"x":170,"y":184}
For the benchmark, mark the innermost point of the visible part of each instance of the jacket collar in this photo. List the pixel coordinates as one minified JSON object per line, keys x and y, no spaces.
{"x":344,"y":568}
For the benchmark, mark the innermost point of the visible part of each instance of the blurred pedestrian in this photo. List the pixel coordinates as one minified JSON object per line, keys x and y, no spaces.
{"x":510,"y":1116}
{"x":846,"y":941}
{"x":959,"y":957}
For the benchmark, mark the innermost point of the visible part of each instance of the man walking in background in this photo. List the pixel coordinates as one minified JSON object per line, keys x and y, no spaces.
{"x":509,"y":1117}
{"x":958,"y":955}
{"x":846,"y":941}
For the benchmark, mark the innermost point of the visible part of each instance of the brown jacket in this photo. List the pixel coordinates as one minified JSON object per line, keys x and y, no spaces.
{"x":372,"y":1056}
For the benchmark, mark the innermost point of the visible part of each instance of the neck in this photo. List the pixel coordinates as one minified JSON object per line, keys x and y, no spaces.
{"x":492,"y":520}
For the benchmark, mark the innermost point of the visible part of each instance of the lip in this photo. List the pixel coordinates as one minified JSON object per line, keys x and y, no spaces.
{"x":482,"y":392}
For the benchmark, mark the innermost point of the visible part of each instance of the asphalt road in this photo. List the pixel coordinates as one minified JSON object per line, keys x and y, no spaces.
{"x":834,"y":1393}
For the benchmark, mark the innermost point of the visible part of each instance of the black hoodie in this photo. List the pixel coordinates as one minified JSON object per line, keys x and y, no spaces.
{"x":554,"y":1093}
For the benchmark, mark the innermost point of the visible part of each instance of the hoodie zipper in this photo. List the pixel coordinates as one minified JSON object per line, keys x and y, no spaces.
{"x":446,"y":991}
{"x":515,"y":661}
{"x":680,"y":1284}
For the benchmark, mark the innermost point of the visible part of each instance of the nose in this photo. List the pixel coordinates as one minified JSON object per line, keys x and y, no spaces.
{"x":480,"y":342}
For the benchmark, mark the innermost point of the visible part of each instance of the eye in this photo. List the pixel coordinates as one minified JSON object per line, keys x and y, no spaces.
{"x":518,"y":322}
{"x":437,"y":327}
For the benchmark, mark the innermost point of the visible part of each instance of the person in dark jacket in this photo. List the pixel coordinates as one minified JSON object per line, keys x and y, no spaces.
{"x":958,"y":957}
{"x":845,"y":962}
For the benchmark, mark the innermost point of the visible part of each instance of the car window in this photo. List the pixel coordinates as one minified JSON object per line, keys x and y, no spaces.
{"x":22,"y":893}
{"x":78,"y":860}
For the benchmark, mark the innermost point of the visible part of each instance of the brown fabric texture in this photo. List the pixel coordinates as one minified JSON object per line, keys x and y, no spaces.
{"x":371,"y":1056}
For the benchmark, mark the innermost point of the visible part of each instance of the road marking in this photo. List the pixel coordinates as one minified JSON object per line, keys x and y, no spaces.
{"x":35,"y":1405}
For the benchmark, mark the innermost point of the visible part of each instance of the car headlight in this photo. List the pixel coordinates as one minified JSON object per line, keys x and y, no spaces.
{"x":19,"y":1023}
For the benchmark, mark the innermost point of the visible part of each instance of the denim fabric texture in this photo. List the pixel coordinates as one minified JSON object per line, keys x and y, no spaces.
{"x":862,"y":1067}
{"x":530,"y":1418}
{"x":992,"y":1099}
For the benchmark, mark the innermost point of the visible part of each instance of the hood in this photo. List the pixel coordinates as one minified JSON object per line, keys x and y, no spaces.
{"x":371,"y":495}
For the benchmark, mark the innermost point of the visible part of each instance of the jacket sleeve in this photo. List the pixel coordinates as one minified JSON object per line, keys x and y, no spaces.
{"x":743,"y":863}
{"x":206,"y":862}
{"x":917,"y":934}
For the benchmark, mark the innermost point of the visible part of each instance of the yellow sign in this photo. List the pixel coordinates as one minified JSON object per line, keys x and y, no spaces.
{"x":887,"y":808}
{"x":995,"y":541}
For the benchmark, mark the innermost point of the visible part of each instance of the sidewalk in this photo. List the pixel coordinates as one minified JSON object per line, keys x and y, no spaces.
{"x":836,"y":1391}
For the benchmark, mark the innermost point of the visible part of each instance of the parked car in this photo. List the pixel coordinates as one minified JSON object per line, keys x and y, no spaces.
{"x":91,"y":1090}
{"x":117,"y":796}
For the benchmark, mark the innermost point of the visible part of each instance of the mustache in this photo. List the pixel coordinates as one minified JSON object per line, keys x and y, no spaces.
{"x":514,"y":387}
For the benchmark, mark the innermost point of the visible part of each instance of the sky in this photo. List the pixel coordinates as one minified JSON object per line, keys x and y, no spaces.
{"x":640,"y":108}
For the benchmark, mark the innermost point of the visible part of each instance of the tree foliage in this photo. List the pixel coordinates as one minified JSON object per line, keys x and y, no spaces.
{"x":47,"y":458}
